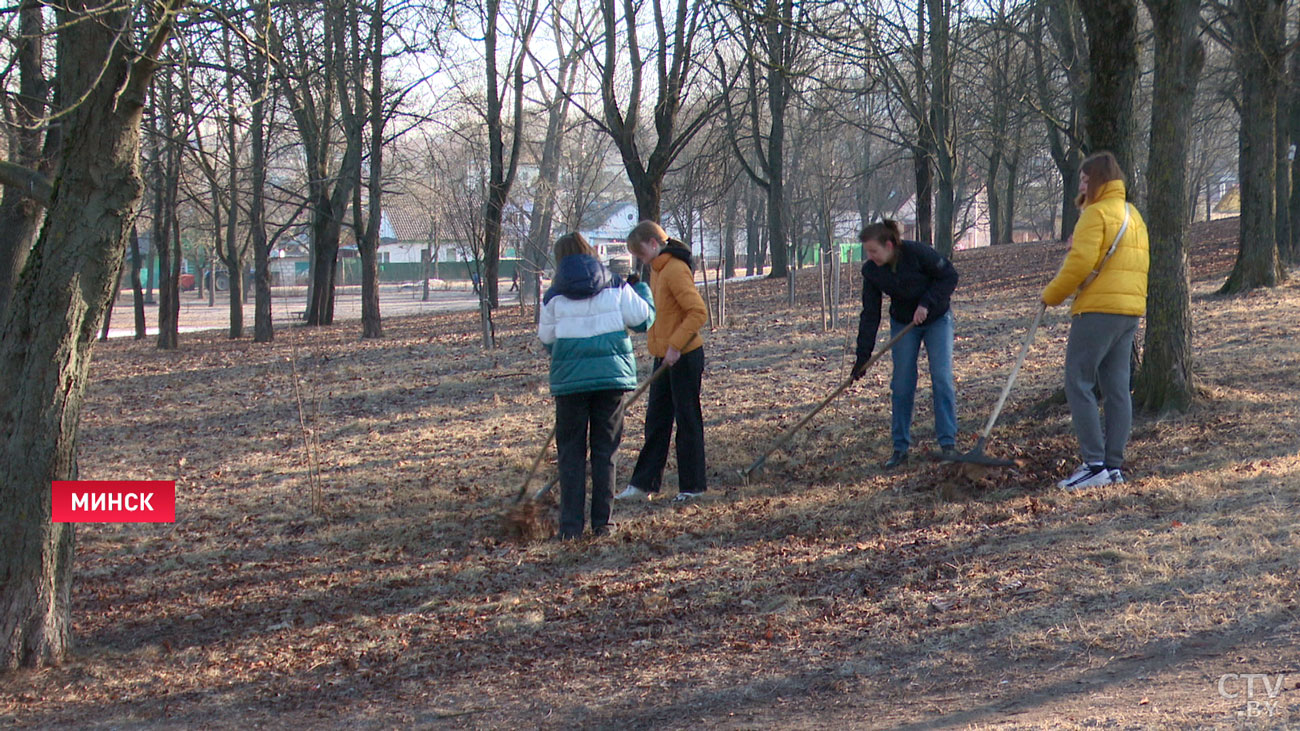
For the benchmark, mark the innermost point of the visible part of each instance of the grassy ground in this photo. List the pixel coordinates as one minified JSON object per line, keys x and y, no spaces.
{"x":826,"y":594}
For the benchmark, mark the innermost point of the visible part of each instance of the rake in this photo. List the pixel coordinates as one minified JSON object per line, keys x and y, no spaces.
{"x":618,"y":414}
{"x":746,"y":473}
{"x":976,"y":455}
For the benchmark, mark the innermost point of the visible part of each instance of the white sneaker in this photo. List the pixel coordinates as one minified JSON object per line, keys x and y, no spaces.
{"x":687,"y":496}
{"x":1087,"y":475}
{"x":1116,"y":477}
{"x":632,"y":492}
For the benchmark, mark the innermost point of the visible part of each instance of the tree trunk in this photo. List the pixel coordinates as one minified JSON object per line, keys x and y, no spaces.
{"x":1282,"y":177}
{"x":20,"y":215}
{"x":1165,"y":380}
{"x":1063,"y":25}
{"x":943,"y":142}
{"x":47,"y":333}
{"x":729,"y":236}
{"x":232,"y":253}
{"x":1009,"y":203}
{"x":924,"y":193}
{"x":263,"y":331}
{"x":778,"y":29}
{"x":753,"y":262}
{"x":167,"y":177}
{"x":137,"y":293}
{"x":501,"y":172}
{"x":1292,"y":91}
{"x":537,"y":249}
{"x":371,"y":325}
{"x":1258,"y":51}
{"x":991,"y":191}
{"x":234,"y":262}
{"x":1112,"y":56}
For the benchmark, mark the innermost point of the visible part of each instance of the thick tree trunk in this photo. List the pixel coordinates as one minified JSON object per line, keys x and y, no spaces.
{"x":1112,"y":56}
{"x":326,"y":228}
{"x":47,"y":333}
{"x":1165,"y":380}
{"x":1259,"y":57}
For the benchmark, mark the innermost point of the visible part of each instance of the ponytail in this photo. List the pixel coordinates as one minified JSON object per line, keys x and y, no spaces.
{"x":886,"y":230}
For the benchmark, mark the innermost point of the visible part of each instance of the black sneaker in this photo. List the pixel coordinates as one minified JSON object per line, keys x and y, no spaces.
{"x":948,"y":454}
{"x":895,"y":460}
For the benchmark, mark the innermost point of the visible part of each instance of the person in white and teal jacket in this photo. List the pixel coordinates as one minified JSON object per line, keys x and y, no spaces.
{"x":584,"y":324}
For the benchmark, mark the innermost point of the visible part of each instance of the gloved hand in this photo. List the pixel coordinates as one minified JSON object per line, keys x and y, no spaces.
{"x":632,"y":278}
{"x":859,"y":367}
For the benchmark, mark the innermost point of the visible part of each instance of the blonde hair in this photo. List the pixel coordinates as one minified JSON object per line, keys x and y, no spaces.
{"x":646,"y":235}
{"x":570,"y":244}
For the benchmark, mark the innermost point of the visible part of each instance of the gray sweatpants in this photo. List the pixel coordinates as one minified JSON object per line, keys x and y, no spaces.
{"x":1097,"y":355}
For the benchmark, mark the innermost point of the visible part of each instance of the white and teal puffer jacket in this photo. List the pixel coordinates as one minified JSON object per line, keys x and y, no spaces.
{"x":584,"y":321}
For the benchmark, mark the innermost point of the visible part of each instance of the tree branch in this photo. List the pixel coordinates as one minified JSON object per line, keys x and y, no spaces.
{"x":31,"y":183}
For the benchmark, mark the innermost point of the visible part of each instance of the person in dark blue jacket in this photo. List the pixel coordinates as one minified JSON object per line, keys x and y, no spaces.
{"x":919,"y":283}
{"x":583,"y":324}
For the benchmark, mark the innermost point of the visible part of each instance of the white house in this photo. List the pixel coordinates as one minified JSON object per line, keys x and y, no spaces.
{"x":606,"y":227}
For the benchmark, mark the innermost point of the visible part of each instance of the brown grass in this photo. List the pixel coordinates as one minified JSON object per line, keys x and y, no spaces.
{"x":826,"y":594}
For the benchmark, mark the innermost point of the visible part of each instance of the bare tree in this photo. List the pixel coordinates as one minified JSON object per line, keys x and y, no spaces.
{"x":1062,"y":88}
{"x":673,"y":58}
{"x":312,"y":97}
{"x":774,"y":40}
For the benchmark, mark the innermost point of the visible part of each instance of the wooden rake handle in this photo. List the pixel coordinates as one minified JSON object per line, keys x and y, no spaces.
{"x":1020,"y":359}
{"x":784,"y":438}
{"x":618,"y":414}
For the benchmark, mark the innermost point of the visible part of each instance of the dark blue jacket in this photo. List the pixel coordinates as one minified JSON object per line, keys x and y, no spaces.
{"x":917,"y":276}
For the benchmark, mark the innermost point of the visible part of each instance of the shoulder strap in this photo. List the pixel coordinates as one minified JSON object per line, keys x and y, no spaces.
{"x":1097,"y":269}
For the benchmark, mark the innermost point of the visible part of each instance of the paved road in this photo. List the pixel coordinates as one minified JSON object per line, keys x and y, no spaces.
{"x":394,"y":300}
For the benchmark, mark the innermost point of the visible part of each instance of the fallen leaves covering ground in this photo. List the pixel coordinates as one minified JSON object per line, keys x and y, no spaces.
{"x":824,"y":594}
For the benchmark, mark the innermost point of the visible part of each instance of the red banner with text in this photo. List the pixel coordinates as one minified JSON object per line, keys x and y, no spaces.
{"x":114,"y":501}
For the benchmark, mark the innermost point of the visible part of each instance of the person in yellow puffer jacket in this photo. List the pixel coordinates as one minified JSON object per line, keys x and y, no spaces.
{"x":674,"y":339}
{"x":1105,"y":317}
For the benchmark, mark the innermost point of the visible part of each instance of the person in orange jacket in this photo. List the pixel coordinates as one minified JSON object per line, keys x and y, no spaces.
{"x":675,"y":339}
{"x":1106,"y":271}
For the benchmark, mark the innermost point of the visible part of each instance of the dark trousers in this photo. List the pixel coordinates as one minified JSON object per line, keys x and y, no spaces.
{"x":576,"y":416}
{"x":674,"y":397}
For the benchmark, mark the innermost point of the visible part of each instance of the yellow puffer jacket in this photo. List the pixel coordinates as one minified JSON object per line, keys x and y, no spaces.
{"x":680,"y":311}
{"x":1121,"y":287}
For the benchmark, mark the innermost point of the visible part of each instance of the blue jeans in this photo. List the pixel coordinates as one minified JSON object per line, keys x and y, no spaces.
{"x":937,"y":337}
